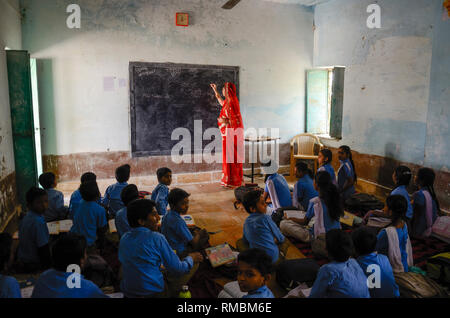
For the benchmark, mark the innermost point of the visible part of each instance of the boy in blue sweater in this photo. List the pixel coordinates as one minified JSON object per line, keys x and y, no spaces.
{"x":142,"y":251}
{"x":56,"y":208}
{"x":75,"y":198}
{"x":259,"y":229}
{"x":111,"y":200}
{"x":33,"y":252}
{"x":365,"y":242}
{"x":161,"y":192}
{"x":129,"y":194}
{"x":254,"y":268}
{"x":60,"y":281}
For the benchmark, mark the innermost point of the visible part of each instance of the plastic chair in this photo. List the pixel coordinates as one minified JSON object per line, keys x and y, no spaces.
{"x":305,"y":149}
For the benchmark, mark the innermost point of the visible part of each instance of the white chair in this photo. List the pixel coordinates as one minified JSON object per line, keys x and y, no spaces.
{"x":302,"y":147}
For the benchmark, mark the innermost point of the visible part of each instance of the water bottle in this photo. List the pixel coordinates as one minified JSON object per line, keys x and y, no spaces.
{"x":185,"y":293}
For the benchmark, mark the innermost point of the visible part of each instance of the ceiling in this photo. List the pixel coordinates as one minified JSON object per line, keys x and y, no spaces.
{"x":302,"y":2}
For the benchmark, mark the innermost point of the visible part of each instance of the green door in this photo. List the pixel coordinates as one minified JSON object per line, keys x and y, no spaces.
{"x":20,"y":95}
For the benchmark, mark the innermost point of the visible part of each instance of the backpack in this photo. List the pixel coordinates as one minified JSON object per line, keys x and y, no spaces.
{"x":362,"y":202}
{"x":413,"y":285}
{"x":291,"y":273}
{"x":99,"y":272}
{"x":438,"y":267}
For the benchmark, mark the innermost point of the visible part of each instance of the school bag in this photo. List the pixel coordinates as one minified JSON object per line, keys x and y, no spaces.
{"x":291,"y":273}
{"x":438,"y":267}
{"x":239,"y":193}
{"x":414,"y":285}
{"x":99,"y":272}
{"x":362,"y":202}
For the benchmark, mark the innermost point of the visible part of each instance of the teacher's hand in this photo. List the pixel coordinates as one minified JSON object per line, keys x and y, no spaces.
{"x":213,"y":86}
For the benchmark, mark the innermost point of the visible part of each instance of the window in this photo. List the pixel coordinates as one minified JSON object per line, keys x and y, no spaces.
{"x":324,"y":101}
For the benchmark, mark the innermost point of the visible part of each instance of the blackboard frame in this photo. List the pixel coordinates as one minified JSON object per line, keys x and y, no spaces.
{"x":133,"y":65}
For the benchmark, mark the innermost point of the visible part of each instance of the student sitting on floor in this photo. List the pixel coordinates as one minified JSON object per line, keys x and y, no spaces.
{"x":393,"y":241}
{"x":129,"y":194}
{"x":365,"y":242}
{"x":142,"y":251}
{"x":276,"y":187}
{"x":175,"y":229}
{"x":325,"y":158}
{"x":304,"y":188}
{"x":343,"y":277}
{"x":76,"y":198}
{"x":346,"y":175}
{"x":326,"y":209}
{"x":161,"y":192}
{"x":56,"y":209}
{"x":90,"y":218}
{"x":9,"y":287}
{"x":425,"y":204}
{"x":259,"y":229}
{"x":68,"y":254}
{"x":254,"y":268}
{"x":112,"y":200}
{"x":33,"y":251}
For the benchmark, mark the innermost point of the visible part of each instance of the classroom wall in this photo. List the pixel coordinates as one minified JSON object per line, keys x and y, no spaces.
{"x":271,"y":42}
{"x":396,"y":95}
{"x":10,"y":36}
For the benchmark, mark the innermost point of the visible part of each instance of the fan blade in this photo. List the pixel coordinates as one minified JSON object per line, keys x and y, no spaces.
{"x":230,"y":4}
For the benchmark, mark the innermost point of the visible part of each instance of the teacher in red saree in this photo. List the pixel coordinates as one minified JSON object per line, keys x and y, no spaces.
{"x":232,"y":130}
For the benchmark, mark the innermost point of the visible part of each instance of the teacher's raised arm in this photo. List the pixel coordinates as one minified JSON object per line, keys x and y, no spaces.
{"x":218,"y":96}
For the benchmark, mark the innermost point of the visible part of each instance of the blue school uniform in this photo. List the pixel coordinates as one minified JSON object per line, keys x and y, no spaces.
{"x":33,"y":234}
{"x":401,"y":190}
{"x":328,"y":222}
{"x":262,"y":292}
{"x":56,"y":209}
{"x":9,"y":287}
{"x":53,"y":284}
{"x":305,"y":191}
{"x":112,"y":197}
{"x":383,"y":244}
{"x":260,"y":231}
{"x":160,"y":195}
{"x":141,"y":252}
{"x":75,"y":200}
{"x":345,"y":172}
{"x":89,"y":217}
{"x":388,"y":287}
{"x":329,"y":168}
{"x":340,"y":280}
{"x":281,"y":188}
{"x":177,"y":233}
{"x":121,"y":222}
{"x":419,"y":220}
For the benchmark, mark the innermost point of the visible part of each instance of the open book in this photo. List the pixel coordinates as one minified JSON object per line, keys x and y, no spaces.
{"x":231,"y":290}
{"x":294,"y":214}
{"x":347,"y":219}
{"x":220,"y":255}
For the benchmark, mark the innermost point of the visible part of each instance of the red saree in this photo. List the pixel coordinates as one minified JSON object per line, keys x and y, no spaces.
{"x":232,"y":140}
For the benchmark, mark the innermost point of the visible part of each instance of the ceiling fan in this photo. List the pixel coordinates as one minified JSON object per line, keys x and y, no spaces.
{"x":230,"y":4}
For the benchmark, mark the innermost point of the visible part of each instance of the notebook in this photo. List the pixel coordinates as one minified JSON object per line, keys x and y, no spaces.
{"x":53,"y":227}
{"x":295,"y":214}
{"x":231,"y":290}
{"x":220,"y":255}
{"x":65,"y":226}
{"x":188,"y":219}
{"x":347,"y":219}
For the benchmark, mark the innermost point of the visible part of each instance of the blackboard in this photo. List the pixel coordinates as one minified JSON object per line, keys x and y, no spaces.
{"x":165,"y":96}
